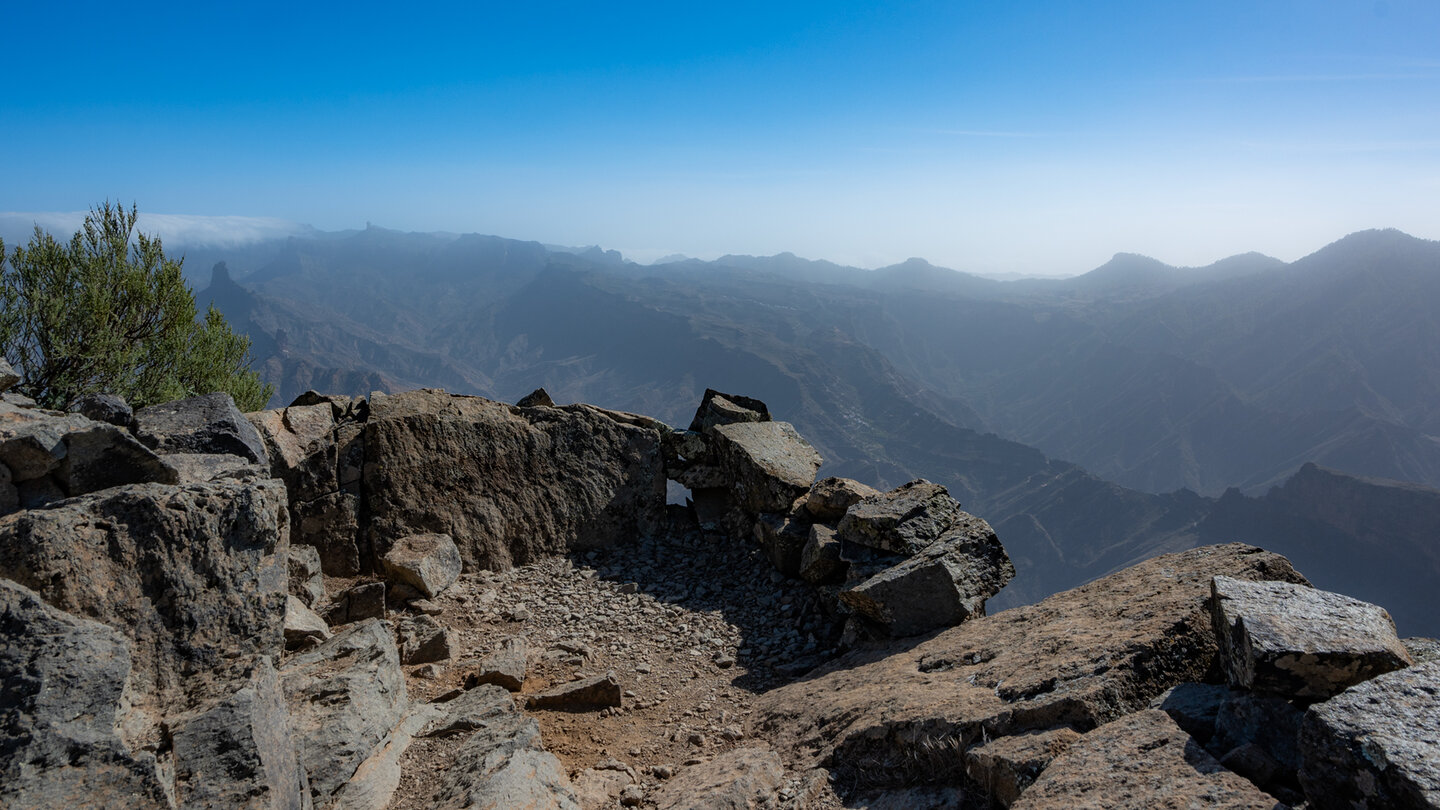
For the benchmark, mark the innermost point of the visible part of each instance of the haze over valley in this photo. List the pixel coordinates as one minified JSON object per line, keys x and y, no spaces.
{"x":1096,"y":420}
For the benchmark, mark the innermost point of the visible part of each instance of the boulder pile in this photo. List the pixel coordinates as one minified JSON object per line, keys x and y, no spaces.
{"x":315,"y":607}
{"x":899,"y":563}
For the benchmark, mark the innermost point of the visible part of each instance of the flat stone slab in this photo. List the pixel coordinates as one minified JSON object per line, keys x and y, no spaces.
{"x":596,"y":692}
{"x":1376,"y":744}
{"x":508,"y":666}
{"x":745,"y":777}
{"x":1079,"y":658}
{"x":1299,"y":642}
{"x":1141,"y":761}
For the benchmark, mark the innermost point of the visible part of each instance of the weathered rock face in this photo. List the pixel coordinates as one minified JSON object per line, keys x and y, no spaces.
{"x":902,"y":521}
{"x":745,"y":777}
{"x":429,"y":563}
{"x":1138,"y":762}
{"x":195,"y":578}
{"x":104,"y":408}
{"x":205,"y":424}
{"x":767,"y":463}
{"x":512,"y":485}
{"x":47,"y":456}
{"x":944,"y":584}
{"x":503,"y":762}
{"x":903,"y":712}
{"x":191,"y":582}
{"x":1377,"y":744}
{"x":344,"y":696}
{"x":1004,"y":768}
{"x":61,"y":684}
{"x":1295,"y":641}
{"x":831,"y":497}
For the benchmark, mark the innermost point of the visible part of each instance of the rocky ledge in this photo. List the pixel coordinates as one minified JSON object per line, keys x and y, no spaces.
{"x":426,"y":600}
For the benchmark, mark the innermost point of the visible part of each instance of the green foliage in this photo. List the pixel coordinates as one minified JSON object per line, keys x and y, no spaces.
{"x":108,"y":313}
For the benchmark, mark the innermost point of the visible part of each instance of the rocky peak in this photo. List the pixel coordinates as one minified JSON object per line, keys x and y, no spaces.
{"x":422,"y":599}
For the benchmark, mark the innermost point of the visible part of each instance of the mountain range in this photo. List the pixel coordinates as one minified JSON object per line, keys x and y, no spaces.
{"x":1095,"y":421}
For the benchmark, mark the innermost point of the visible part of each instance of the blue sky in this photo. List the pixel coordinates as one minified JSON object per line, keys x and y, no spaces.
{"x":1013,"y":136}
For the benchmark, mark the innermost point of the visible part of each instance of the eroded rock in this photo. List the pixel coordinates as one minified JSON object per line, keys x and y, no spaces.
{"x":830,"y":497}
{"x":944,"y":584}
{"x":1138,"y":762}
{"x":1079,"y":658}
{"x":1003,"y":768}
{"x":1377,"y":744}
{"x":742,"y":778}
{"x":429,"y":563}
{"x":902,"y":521}
{"x":507,"y":666}
{"x":1295,"y":641}
{"x":205,"y":424}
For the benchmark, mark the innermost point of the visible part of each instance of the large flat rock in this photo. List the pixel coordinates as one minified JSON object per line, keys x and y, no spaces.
{"x":1139,"y":762}
{"x":1298,"y":642}
{"x":903,"y":712}
{"x":1376,"y":744}
{"x":902,"y":521}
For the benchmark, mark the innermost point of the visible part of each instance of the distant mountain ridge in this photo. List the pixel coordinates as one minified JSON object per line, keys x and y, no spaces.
{"x":907,"y":370}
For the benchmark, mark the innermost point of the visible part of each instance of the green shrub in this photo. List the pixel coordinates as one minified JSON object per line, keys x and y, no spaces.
{"x":110,"y":313}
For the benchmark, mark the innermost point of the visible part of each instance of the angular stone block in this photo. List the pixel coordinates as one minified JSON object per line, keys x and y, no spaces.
{"x":1293,"y":641}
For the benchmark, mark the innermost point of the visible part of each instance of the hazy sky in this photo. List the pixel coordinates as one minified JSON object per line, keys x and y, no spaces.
{"x":997,"y":136}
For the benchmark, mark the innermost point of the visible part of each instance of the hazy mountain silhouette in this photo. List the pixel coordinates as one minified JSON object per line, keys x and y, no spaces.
{"x":1140,"y":373}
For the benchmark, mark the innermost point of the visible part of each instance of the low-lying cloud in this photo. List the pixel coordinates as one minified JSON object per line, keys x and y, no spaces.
{"x":173,"y":229}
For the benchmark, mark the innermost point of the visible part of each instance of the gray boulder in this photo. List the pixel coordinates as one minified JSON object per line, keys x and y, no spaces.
{"x":944,"y":584}
{"x":502,"y":763}
{"x":306,"y":582}
{"x":357,"y":603}
{"x":511,"y":484}
{"x":726,"y":409}
{"x":1377,"y":744}
{"x":507,"y":666}
{"x":8,"y":377}
{"x":194,"y":577}
{"x":303,"y":626}
{"x":1295,"y":641}
{"x":62,"y":680}
{"x":345,"y":697}
{"x":64,"y":455}
{"x":820,"y":561}
{"x":429,"y":563}
{"x":1138,"y":762}
{"x":193,"y":580}
{"x":768,"y":464}
{"x":423,"y":640}
{"x":902,"y":521}
{"x":539,"y":398}
{"x":595,"y":692}
{"x":205,"y":424}
{"x":830,"y":497}
{"x":107,"y":408}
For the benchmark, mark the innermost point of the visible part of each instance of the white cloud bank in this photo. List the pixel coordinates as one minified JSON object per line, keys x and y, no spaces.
{"x":173,"y":229}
